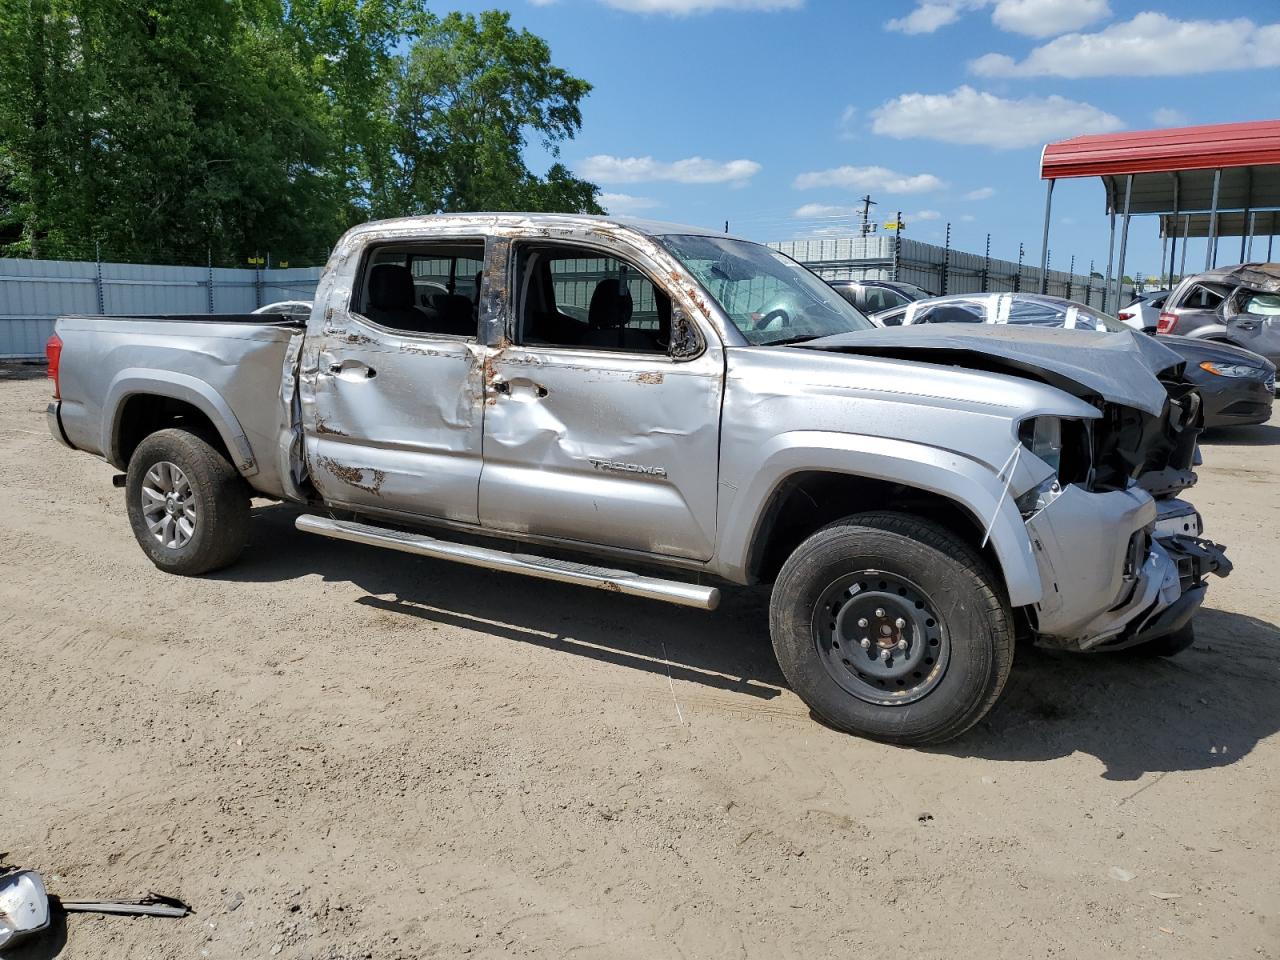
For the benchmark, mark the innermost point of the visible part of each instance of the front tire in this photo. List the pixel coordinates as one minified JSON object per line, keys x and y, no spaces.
{"x":188,"y":506}
{"x":891,"y":627}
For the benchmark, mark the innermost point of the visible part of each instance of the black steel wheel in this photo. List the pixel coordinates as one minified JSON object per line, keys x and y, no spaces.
{"x":879,"y":637}
{"x":892,"y":627}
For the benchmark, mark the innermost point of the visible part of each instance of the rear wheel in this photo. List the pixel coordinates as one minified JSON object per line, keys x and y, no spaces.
{"x":188,"y":506}
{"x":891,"y":627}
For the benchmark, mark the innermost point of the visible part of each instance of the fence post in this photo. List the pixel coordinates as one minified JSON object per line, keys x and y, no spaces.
{"x":209,"y":261}
{"x":946,"y":260}
{"x":97,"y":257}
{"x":1017,"y":280}
{"x":986,"y":265}
{"x":897,"y":243}
{"x":1071,"y":277}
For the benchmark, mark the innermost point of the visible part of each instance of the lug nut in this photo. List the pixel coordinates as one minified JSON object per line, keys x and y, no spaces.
{"x":866,"y":642}
{"x":862,"y":622}
{"x":879,"y":611}
{"x":902,"y":644}
{"x":899,"y":623}
{"x":884,"y":655}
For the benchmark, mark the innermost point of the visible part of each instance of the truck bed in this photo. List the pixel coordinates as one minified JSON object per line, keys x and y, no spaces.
{"x":236,"y":368}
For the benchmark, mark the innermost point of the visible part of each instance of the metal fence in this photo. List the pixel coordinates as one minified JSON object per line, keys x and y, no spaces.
{"x":34,"y":292}
{"x":939,"y":269}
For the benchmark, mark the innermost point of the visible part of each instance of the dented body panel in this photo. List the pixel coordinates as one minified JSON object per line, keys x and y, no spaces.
{"x":675,"y":459}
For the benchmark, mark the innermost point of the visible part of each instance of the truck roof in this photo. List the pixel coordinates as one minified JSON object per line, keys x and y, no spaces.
{"x":651,"y":228}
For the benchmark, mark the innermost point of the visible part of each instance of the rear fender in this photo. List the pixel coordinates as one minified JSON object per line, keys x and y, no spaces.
{"x":178,"y":386}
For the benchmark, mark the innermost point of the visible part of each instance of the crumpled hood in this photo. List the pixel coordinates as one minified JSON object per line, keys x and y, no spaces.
{"x":1119,"y":368}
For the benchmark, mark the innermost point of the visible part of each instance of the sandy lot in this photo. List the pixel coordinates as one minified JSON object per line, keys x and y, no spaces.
{"x":333,"y":752}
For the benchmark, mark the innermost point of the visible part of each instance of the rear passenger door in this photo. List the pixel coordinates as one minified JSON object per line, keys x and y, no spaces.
{"x":393,"y":414}
{"x":594,"y":432}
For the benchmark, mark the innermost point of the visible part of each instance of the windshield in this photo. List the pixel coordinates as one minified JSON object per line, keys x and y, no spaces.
{"x":770,"y":298}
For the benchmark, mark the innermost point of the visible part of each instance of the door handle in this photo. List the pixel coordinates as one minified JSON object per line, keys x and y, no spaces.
{"x":504,"y":387}
{"x":501,"y":386}
{"x":352,"y":370}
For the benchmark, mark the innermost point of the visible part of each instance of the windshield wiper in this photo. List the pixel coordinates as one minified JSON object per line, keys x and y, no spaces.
{"x":788,"y":341}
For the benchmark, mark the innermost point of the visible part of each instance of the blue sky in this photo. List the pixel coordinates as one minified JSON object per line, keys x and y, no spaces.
{"x":778,"y":114}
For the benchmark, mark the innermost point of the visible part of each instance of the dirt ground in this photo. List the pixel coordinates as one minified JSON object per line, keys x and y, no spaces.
{"x":333,"y":752}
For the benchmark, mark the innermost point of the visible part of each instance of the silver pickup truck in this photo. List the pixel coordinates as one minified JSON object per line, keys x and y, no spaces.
{"x":654,"y":410}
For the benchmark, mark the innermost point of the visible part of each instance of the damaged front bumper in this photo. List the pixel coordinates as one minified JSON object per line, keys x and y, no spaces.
{"x":1118,"y":568}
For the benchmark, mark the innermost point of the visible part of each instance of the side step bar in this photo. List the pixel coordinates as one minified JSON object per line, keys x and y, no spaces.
{"x":616,"y":581}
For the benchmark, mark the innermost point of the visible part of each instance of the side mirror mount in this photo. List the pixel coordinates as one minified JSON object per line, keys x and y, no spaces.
{"x":685,"y":342}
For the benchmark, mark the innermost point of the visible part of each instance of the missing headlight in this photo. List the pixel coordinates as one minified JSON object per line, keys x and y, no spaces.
{"x":1061,"y":443}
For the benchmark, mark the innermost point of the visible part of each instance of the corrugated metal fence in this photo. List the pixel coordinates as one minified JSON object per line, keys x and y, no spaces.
{"x":34,"y":292}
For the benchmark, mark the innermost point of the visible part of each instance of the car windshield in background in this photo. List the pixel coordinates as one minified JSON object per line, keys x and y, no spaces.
{"x":769,"y":298}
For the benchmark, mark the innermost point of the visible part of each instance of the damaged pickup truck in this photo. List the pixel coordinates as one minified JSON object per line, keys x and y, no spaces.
{"x":655,"y":410}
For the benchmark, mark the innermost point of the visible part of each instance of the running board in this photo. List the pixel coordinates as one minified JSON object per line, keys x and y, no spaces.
{"x":585,"y":575}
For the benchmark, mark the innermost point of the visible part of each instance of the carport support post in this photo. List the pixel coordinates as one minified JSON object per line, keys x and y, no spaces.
{"x":1111,"y":252}
{"x":1253,"y":225}
{"x":1044,"y":239}
{"x":1124,"y":238}
{"x":1186,"y":233}
{"x":1211,"y":245}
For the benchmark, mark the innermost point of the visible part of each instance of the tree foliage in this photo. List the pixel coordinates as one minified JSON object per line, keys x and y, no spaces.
{"x":167,"y":130}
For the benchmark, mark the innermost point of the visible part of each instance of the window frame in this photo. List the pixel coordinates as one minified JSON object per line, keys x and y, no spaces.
{"x":367,"y":262}
{"x":519,"y":288}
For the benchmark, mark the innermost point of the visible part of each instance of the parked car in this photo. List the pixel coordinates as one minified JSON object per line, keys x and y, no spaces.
{"x":288,"y":308}
{"x":1144,"y":313}
{"x":872,"y":296}
{"x":915,"y":497}
{"x":1237,"y":387}
{"x":1238,"y":305}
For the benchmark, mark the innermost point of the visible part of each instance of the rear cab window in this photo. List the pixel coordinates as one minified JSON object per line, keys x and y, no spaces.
{"x":422,"y":288}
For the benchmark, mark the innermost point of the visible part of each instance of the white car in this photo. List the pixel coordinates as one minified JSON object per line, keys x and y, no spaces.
{"x":288,"y":308}
{"x":1144,"y":313}
{"x":1027,"y":309}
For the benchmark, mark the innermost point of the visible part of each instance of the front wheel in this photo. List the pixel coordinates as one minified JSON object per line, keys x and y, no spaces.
{"x":188,"y":506}
{"x":891,"y":627}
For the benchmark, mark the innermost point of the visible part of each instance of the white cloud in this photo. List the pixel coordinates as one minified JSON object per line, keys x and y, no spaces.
{"x":845,"y":126}
{"x":982,"y":193}
{"x":1047,"y":18}
{"x":819,"y":211}
{"x":603,"y":168}
{"x":1033,"y":18}
{"x":626,"y":203}
{"x":968,"y":116}
{"x":869,"y":178}
{"x":1169,"y":117}
{"x":1149,"y":45}
{"x":683,"y":8}
{"x":927,"y":17}
{"x":922,"y":215}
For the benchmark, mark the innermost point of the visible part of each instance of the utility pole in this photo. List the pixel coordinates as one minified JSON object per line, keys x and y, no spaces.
{"x":867,"y":227}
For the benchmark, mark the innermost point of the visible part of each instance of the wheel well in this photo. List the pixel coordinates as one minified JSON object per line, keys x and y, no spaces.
{"x":806,"y":502}
{"x":144,"y":414}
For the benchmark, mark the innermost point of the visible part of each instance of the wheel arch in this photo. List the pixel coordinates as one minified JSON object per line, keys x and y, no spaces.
{"x":143,"y":401}
{"x":809,"y":482}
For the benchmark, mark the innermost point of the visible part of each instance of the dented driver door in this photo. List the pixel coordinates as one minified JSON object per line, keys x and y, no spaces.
{"x":613,"y":447}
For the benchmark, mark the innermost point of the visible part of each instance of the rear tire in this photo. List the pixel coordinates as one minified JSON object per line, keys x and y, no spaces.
{"x":188,"y":506}
{"x":891,"y":627}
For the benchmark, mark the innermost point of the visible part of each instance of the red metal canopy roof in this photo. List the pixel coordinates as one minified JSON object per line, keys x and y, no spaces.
{"x":1216,"y":146}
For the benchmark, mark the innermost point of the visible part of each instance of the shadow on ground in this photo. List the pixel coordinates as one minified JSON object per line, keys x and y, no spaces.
{"x":23,"y":370}
{"x":1258,"y":435}
{"x":1205,"y":708}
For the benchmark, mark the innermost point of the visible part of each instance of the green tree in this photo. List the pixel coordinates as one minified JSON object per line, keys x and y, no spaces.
{"x":164,"y":129}
{"x":470,"y":93}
